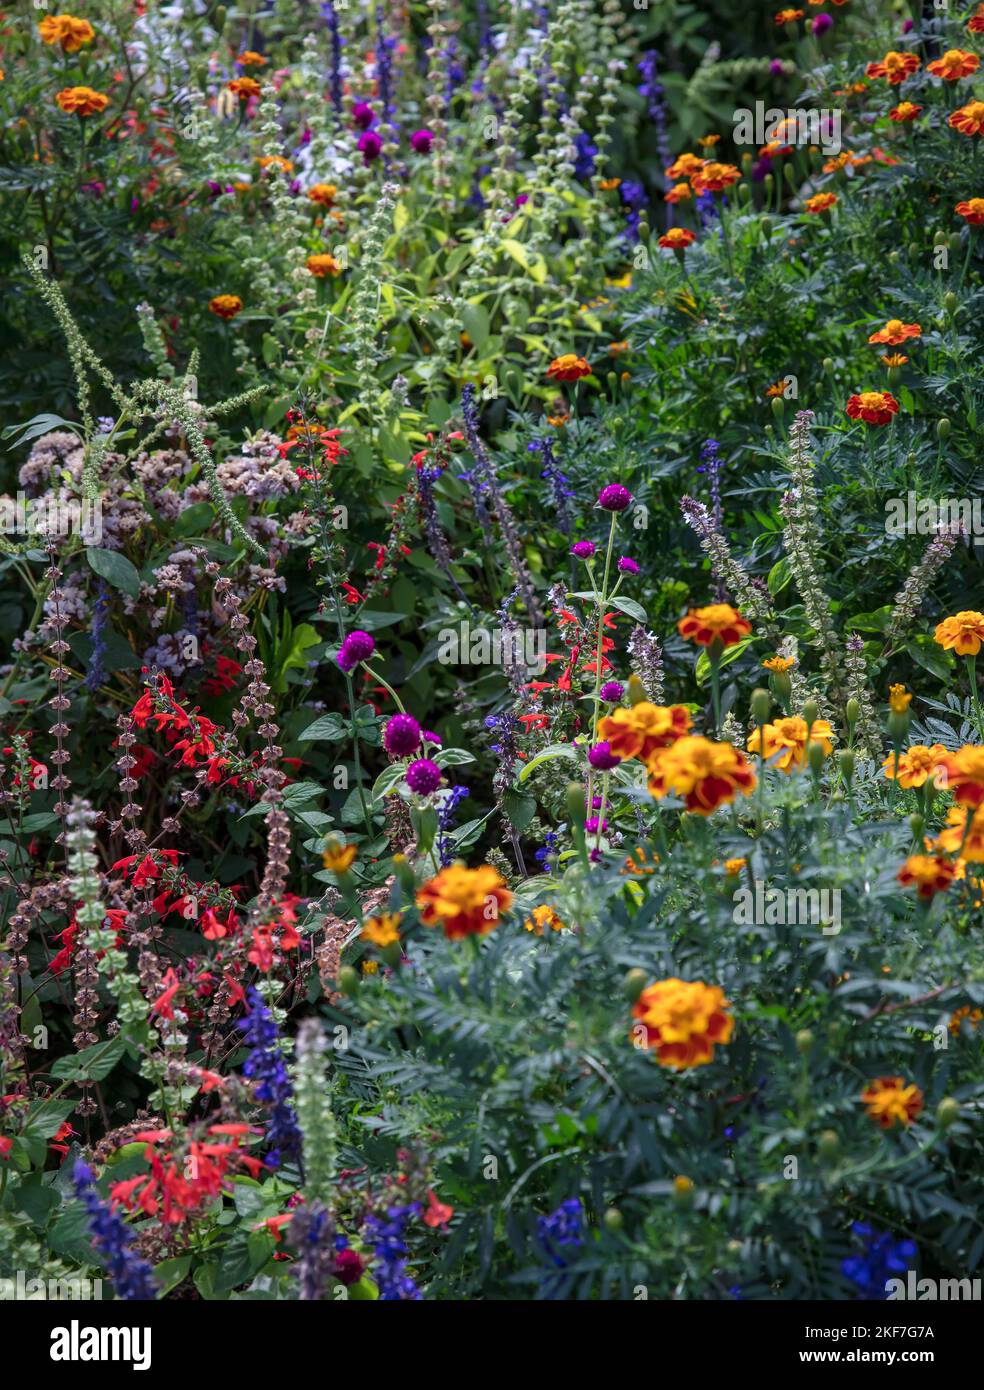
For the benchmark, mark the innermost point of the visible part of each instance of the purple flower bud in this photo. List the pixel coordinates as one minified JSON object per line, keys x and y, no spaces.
{"x":908,"y":26}
{"x":583,"y":549}
{"x":358,"y":646}
{"x":421,"y":141}
{"x":627,"y":566}
{"x":363,"y":115}
{"x":370,"y":145}
{"x":612,"y":691}
{"x":614,"y":498}
{"x":601,"y":757}
{"x":776,"y":67}
{"x":401,"y":736}
{"x":433,"y":738}
{"x":423,"y":777}
{"x":822,"y":23}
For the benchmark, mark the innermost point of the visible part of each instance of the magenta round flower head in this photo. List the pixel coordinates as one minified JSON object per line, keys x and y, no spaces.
{"x":821,"y":24}
{"x":370,"y":145}
{"x":601,"y":757}
{"x":776,"y":67}
{"x":908,"y":26}
{"x":401,"y":737}
{"x":612,"y":691}
{"x":433,"y":738}
{"x":614,"y":498}
{"x":358,"y":646}
{"x":423,"y":777}
{"x":363,"y":115}
{"x":627,"y":566}
{"x":591,"y":825}
{"x":421,"y":141}
{"x":583,"y":549}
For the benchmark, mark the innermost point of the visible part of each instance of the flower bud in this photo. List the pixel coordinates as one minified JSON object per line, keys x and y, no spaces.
{"x":613,"y":1219}
{"x":644,"y":230}
{"x":744,"y":193}
{"x":633,"y":984}
{"x":778,"y":407}
{"x":811,"y":712}
{"x":348,"y":980}
{"x":761,"y":704}
{"x":575,"y":802}
{"x":917,"y":824}
{"x":829,"y":1143}
{"x":683,"y":1192}
{"x":943,"y":428}
{"x":846,"y":759}
{"x":804,"y":1040}
{"x":950,"y":302}
{"x":947,"y":1112}
{"x":636,"y":690}
{"x":828,"y":366}
{"x":852,"y":709}
{"x":815,"y":754}
{"x":219,"y":19}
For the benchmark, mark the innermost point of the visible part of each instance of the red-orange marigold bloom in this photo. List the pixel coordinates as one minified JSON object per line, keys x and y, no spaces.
{"x":568,"y":367}
{"x":706,"y":774}
{"x":891,"y":1099}
{"x":718,"y":621}
{"x":916,"y":765}
{"x":66,"y":31}
{"x":969,"y":119}
{"x":896,"y":332}
{"x":961,"y":633}
{"x":464,"y":902}
{"x":929,"y":874}
{"x":820,"y":202}
{"x":964,"y":774}
{"x":637,"y":731}
{"x":682,"y":1021}
{"x":972,"y":211}
{"x":896,"y":67}
{"x":684,"y":166}
{"x":226,"y":306}
{"x":323,"y":265}
{"x":81,"y":101}
{"x":873,"y":407}
{"x":712,"y":177}
{"x":955,"y":63}
{"x":677,"y":238}
{"x":904,"y":112}
{"x":788,"y":16}
{"x":679,"y":193}
{"x":244,"y":87}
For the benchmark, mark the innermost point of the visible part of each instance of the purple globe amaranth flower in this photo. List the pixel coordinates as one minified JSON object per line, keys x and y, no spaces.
{"x":363,"y":115}
{"x":436,"y":739}
{"x":627,"y":566}
{"x":583,"y":549}
{"x":776,"y":67}
{"x":370,"y":146}
{"x":591,"y":825}
{"x":358,"y":646}
{"x":614,"y":498}
{"x":612,"y":691}
{"x":601,"y":757}
{"x":423,"y":776}
{"x":401,"y":736}
{"x":421,"y":141}
{"x":908,"y":25}
{"x":821,"y":24}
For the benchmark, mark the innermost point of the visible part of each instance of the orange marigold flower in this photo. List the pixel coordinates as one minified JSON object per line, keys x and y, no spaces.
{"x":784,"y":743}
{"x":955,"y":63}
{"x":896,"y":332}
{"x":962,"y":633}
{"x":323,"y":265}
{"x":777,"y":389}
{"x":606,"y":185}
{"x":899,"y":699}
{"x":382,"y":930}
{"x":67,"y":31}
{"x":323,"y":193}
{"x":637,"y":731}
{"x":677,"y":239}
{"x":891,"y":1099}
{"x":679,"y":193}
{"x":251,"y":59}
{"x":706,"y":774}
{"x":916,"y":765}
{"x":959,"y":838}
{"x":788,"y":16}
{"x":226,"y":306}
{"x":81,"y":101}
{"x":719,"y":621}
{"x":820,"y":202}
{"x":839,"y":161}
{"x":964,"y":774}
{"x":707,"y":142}
{"x":684,"y":166}
{"x":244,"y":87}
{"x":895,"y":359}
{"x":873,"y":407}
{"x":733,"y":867}
{"x":972,"y":211}
{"x":905,"y":111}
{"x":682,"y":1021}
{"x":969,"y":119}
{"x":896,"y":67}
{"x":973,"y":1017}
{"x":338,"y":858}
{"x":275,"y":161}
{"x":779,"y":664}
{"x":542,"y":917}
{"x":464,"y":902}
{"x":714,"y":178}
{"x":617,"y":349}
{"x":929,"y":874}
{"x":568,"y":367}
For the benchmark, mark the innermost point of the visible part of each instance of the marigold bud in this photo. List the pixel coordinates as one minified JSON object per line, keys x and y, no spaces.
{"x":613,"y":1219}
{"x":778,"y":407}
{"x":943,"y":428}
{"x":917,"y":824}
{"x":633,"y":984}
{"x":348,"y":980}
{"x":846,"y":759}
{"x":851,"y":710}
{"x":804,"y":1040}
{"x":829,"y":1143}
{"x":816,"y":755}
{"x":947,"y":1112}
{"x":636,"y":690}
{"x":950,"y":302}
{"x":811,"y":712}
{"x":761,"y":704}
{"x":683,"y":1192}
{"x":575,"y":802}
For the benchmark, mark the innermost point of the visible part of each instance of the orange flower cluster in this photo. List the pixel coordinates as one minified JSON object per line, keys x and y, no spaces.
{"x":965,"y":774}
{"x":820,"y":202}
{"x":706,"y":774}
{"x":916,"y":765}
{"x":568,"y":367}
{"x":226,"y":306}
{"x":928,"y":874}
{"x":81,"y":101}
{"x":464,"y":902}
{"x":784,"y":744}
{"x":719,"y":622}
{"x":905,"y":111}
{"x":683,"y":1021}
{"x":969,"y":119}
{"x":972,"y":211}
{"x":873,"y":407}
{"x":244,"y":87}
{"x":960,"y":838}
{"x":891,"y":1100}
{"x":955,"y":63}
{"x":895,"y":67}
{"x":638,"y":731}
{"x":677,"y":239}
{"x":896,"y":332}
{"x":67,"y":31}
{"x":323,"y":265}
{"x":962,"y":633}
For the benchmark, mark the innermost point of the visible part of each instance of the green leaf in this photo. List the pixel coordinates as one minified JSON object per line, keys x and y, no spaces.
{"x":388,"y":779}
{"x":927,"y":653}
{"x":170,"y":1273}
{"x":630,"y":607}
{"x":452,"y":757}
{"x":194,"y":519}
{"x":475,"y":321}
{"x":92,"y":1063}
{"x":730,"y":654}
{"x":556,"y":750}
{"x":328,"y":726}
{"x":779,"y":576}
{"x":116,"y":569}
{"x":302,"y":638}
{"x":520,"y":808}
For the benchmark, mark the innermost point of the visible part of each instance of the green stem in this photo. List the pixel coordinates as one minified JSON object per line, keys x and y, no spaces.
{"x":601,"y":620}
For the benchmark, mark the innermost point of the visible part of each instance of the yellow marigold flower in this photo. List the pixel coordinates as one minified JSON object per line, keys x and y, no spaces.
{"x":568,"y":367}
{"x":706,"y":141}
{"x":779,"y":664}
{"x":969,"y":119}
{"x":891,"y":1100}
{"x":382,"y":930}
{"x":788,"y":16}
{"x":839,"y":161}
{"x":323,"y":265}
{"x":558,"y":421}
{"x":682,"y":1021}
{"x":370,"y":967}
{"x":244,"y":87}
{"x":899,"y":699}
{"x":251,"y":59}
{"x":465,"y":902}
{"x":718,"y":622}
{"x":638,"y":862}
{"x":226,"y":306}
{"x":896,"y":332}
{"x":621,"y":282}
{"x":916,"y":765}
{"x":679,"y":193}
{"x":905,"y":111}
{"x":929,"y":874}
{"x":895,"y":67}
{"x":338,"y":858}
{"x":706,"y":774}
{"x":684,"y":166}
{"x":820,"y":202}
{"x":683,"y":1185}
{"x":542,"y":917}
{"x":67,"y":31}
{"x":963,"y":774}
{"x":784,"y":743}
{"x":963,"y":633}
{"x":955,"y":63}
{"x":714,"y":178}
{"x":895,"y":359}
{"x":275,"y":161}
{"x":323,"y":193}
{"x":972,"y":1016}
{"x":81,"y":101}
{"x":637,"y":731}
{"x":733,"y":867}
{"x":956,"y":838}
{"x":606,"y":185}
